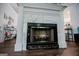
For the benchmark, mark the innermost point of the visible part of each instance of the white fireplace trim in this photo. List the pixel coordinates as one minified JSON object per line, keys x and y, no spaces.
{"x":37,"y":17}
{"x":40,"y":17}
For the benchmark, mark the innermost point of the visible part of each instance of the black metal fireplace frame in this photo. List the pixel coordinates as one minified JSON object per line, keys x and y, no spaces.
{"x":36,"y":25}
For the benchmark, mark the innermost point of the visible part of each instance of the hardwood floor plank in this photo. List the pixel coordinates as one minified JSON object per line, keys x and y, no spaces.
{"x":8,"y":48}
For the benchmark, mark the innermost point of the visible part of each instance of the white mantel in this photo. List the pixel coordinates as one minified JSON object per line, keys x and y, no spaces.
{"x":40,"y":13}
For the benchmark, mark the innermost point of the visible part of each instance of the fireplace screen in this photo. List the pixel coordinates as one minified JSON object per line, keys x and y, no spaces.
{"x":40,"y":35}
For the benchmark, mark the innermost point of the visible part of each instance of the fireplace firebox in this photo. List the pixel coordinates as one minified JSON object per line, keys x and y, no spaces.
{"x":42,"y":36}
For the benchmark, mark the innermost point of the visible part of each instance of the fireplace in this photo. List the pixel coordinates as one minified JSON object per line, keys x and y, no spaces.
{"x":42,"y":36}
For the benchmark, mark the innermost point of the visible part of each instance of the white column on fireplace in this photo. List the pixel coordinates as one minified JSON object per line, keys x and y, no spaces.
{"x":19,"y":39}
{"x":61,"y":33}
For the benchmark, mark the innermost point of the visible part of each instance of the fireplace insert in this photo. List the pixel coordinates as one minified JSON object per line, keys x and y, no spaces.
{"x":42,"y":36}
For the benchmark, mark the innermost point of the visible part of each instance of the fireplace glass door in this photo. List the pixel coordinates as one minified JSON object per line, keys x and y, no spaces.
{"x":42,"y":35}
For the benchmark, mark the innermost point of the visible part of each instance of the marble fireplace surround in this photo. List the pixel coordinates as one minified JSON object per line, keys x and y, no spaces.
{"x":36,"y":14}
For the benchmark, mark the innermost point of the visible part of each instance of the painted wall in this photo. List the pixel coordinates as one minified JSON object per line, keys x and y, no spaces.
{"x":6,"y":8}
{"x":67,"y":18}
{"x":74,"y":14}
{"x":1,"y":23}
{"x":9,"y":11}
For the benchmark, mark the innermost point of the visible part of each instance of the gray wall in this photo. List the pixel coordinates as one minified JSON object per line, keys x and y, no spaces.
{"x":74,"y":14}
{"x":7,"y":9}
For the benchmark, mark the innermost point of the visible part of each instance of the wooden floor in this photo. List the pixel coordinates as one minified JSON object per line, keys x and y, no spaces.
{"x":7,"y":48}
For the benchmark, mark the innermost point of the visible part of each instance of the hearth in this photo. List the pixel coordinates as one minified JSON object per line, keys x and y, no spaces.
{"x":42,"y":36}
